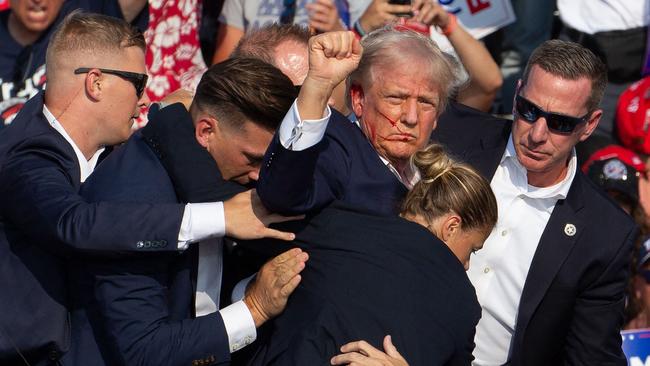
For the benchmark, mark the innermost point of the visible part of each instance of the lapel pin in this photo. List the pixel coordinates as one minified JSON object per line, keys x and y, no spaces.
{"x":570,"y":229}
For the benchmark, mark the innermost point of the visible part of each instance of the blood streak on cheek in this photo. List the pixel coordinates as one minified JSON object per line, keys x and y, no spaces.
{"x":393,"y":123}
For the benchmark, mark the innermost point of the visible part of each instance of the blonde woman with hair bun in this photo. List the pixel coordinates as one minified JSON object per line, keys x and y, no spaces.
{"x":453,"y":201}
{"x":374,"y":274}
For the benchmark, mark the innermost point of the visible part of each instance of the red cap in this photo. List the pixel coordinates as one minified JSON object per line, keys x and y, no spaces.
{"x":615,"y":152}
{"x":633,"y":117}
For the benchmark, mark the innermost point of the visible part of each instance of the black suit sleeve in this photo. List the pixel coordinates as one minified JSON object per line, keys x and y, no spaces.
{"x":40,"y":199}
{"x":593,"y":337}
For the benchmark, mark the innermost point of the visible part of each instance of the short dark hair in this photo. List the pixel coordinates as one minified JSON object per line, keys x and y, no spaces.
{"x":570,"y":61}
{"x":261,"y":43}
{"x":241,"y":89}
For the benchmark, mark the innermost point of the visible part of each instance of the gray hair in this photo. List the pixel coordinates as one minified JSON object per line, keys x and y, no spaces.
{"x":390,"y":46}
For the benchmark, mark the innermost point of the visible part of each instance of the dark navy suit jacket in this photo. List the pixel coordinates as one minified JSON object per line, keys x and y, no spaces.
{"x":141,"y":309}
{"x":370,"y":275}
{"x":343,"y":166}
{"x":571,"y":308}
{"x":43,"y":220}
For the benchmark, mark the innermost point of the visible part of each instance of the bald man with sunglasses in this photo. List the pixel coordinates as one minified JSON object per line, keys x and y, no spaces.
{"x":552,"y":276}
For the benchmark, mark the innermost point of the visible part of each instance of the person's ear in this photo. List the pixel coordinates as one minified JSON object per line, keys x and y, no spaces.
{"x":592,"y":123}
{"x":356,"y":99}
{"x":450,"y":227}
{"x":93,"y":84}
{"x":205,"y":130}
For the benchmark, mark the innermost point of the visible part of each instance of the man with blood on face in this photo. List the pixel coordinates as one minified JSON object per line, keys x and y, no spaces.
{"x":318,"y":156}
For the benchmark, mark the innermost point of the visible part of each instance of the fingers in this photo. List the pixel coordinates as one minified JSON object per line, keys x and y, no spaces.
{"x":291,"y":253}
{"x":390,"y":349}
{"x":431,"y":13}
{"x":288,"y":289}
{"x":353,"y":358}
{"x":277,"y":234}
{"x":336,"y":44}
{"x":362,"y":347}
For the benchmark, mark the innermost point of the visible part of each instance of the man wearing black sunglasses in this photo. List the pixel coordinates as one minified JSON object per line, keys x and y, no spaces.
{"x":552,"y":275}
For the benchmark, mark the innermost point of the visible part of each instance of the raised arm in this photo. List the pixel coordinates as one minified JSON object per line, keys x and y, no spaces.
{"x":485,"y":77}
{"x":301,"y":171}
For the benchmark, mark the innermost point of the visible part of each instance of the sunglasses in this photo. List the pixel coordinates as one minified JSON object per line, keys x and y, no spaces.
{"x":139,"y":81}
{"x":556,"y":122}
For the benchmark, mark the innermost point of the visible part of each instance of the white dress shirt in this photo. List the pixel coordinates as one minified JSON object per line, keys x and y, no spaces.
{"x":499,"y":270}
{"x":203,"y":222}
{"x":297,"y":135}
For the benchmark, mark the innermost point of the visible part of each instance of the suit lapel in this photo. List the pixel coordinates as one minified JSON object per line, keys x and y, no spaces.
{"x":487,"y":158}
{"x":561,"y":232}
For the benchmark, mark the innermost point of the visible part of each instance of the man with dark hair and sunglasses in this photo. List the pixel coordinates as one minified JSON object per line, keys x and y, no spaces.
{"x":552,"y":277}
{"x":96,"y":75}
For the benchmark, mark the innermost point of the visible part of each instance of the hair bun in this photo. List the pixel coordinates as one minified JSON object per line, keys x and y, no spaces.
{"x":432,"y":163}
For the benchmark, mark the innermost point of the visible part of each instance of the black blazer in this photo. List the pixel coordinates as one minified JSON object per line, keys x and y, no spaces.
{"x":571,"y":308}
{"x":139,"y":310}
{"x":44,"y":220}
{"x":343,"y":166}
{"x":368,"y":276}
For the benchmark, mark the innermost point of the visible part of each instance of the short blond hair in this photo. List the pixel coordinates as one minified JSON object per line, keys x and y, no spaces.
{"x":91,"y":33}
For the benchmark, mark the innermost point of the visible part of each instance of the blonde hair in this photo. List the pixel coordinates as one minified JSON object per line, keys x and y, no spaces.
{"x":449,"y":186}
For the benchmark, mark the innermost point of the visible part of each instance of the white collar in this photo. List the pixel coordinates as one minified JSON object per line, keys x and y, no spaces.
{"x":520,"y":175}
{"x":86,"y":167}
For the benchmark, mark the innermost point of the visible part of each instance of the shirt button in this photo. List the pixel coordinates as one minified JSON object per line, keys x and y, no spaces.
{"x":504,"y":232}
{"x":486,"y":270}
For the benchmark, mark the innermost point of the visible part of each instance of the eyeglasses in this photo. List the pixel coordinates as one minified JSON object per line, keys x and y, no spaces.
{"x":139,"y":81}
{"x":556,"y":122}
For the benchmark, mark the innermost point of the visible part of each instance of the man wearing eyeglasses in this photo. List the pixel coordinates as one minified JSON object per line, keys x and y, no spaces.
{"x":96,"y":75}
{"x":552,"y":276}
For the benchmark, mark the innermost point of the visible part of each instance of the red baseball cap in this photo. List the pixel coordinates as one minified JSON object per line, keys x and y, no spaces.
{"x":633,"y":117}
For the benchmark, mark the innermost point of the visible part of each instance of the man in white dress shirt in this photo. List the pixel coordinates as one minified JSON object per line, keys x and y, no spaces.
{"x":552,"y":274}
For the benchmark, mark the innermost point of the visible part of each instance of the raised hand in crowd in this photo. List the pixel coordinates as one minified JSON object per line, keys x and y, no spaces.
{"x":430,"y":12}
{"x":324,"y":17}
{"x":332,"y":57}
{"x":363,"y":354}
{"x":267,"y":295}
{"x":247,"y":218}
{"x":380,"y":12}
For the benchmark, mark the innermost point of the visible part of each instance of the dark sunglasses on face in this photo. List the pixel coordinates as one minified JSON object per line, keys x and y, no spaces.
{"x":139,"y":81}
{"x":556,"y":122}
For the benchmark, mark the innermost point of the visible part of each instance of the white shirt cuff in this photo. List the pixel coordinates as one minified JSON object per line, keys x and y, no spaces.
{"x":201,"y":221}
{"x":239,"y":324}
{"x":297,"y":135}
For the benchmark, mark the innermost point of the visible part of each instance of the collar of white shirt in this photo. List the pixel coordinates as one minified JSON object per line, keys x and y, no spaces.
{"x":86,"y":167}
{"x":519,"y":177}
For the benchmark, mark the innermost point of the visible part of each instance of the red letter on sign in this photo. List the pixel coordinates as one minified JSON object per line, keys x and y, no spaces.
{"x":477,"y":5}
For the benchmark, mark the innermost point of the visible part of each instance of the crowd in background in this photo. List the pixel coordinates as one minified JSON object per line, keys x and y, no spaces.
{"x":182,"y":38}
